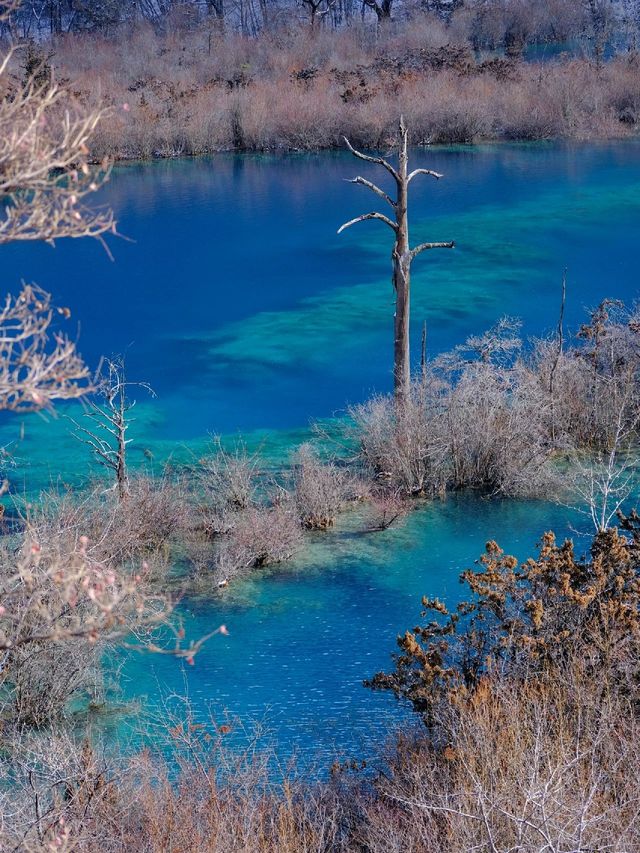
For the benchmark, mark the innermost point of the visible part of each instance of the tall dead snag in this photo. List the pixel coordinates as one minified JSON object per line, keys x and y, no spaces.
{"x":402,"y":255}
{"x":110,"y":420}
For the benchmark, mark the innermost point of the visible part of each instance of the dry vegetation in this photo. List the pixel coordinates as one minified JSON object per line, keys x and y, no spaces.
{"x":292,"y":89}
{"x":528,"y":691}
{"x":529,"y":698}
{"x":497,"y":416}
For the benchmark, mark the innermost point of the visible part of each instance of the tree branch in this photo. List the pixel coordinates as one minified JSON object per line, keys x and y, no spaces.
{"x":379,"y":161}
{"x":364,"y":216}
{"x":424,"y":246}
{"x":363,"y":182}
{"x":417,"y":172}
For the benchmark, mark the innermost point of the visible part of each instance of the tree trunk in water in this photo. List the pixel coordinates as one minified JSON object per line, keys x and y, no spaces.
{"x":402,"y":279}
{"x":402,"y":255}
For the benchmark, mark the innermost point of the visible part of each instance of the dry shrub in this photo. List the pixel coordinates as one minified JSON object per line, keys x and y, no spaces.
{"x":529,"y":694}
{"x":403,"y":449}
{"x":385,"y":508}
{"x":204,"y":795}
{"x":320,"y":489}
{"x":154,"y":515}
{"x":531,"y":767}
{"x":44,"y":680}
{"x":68,"y":586}
{"x":63,"y":794}
{"x":228,"y":481}
{"x":256,"y":537}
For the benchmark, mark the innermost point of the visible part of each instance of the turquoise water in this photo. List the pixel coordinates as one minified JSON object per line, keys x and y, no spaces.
{"x":246,"y":312}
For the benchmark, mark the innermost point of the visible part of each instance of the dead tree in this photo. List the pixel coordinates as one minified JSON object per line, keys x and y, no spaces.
{"x":402,"y":255}
{"x":109,"y":415}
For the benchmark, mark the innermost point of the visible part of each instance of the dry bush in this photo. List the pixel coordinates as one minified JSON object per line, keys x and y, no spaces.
{"x":228,"y":481}
{"x":156,"y":514}
{"x":403,"y":449}
{"x":492,"y":416}
{"x":384,"y":509}
{"x":62,"y":794}
{"x":60,"y":604}
{"x":45,"y":681}
{"x":530,"y":767}
{"x":202,"y":794}
{"x":320,"y":489}
{"x":471,"y":421}
{"x":256,"y":537}
{"x":524,"y":620}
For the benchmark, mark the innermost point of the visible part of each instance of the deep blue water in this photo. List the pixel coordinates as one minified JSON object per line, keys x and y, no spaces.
{"x":246,"y":312}
{"x":241,"y":306}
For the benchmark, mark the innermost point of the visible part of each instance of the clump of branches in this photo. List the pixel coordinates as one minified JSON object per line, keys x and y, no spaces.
{"x":38,"y":364}
{"x":256,"y":537}
{"x":66,"y":793}
{"x":229,"y":481}
{"x":45,"y":170}
{"x":45,"y":178}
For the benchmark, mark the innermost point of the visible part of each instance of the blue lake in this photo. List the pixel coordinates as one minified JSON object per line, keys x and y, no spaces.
{"x":236,"y":300}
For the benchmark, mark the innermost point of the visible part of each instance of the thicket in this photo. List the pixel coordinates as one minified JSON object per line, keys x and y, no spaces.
{"x":177,"y":91}
{"x":510,"y":418}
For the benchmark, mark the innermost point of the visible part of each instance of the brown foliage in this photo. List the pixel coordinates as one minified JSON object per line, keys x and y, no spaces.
{"x":287,"y":90}
{"x":524,"y":620}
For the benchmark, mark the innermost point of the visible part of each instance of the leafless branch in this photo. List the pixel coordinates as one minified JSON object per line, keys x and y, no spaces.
{"x":365,"y":183}
{"x":37,"y":366}
{"x":366,"y":216}
{"x":379,"y":161}
{"x":424,"y":246}
{"x":429,"y":172}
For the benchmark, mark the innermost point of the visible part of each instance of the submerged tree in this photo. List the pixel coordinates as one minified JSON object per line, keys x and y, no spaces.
{"x":402,"y":255}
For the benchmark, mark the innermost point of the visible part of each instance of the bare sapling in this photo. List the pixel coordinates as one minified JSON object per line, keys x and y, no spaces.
{"x":110,"y":419}
{"x":321,"y":489}
{"x":402,"y":255}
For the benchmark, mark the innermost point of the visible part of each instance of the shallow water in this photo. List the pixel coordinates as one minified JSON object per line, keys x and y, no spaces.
{"x":246,"y":312}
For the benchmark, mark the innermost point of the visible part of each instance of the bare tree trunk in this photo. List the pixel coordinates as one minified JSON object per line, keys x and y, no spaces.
{"x":402,"y":255}
{"x":402,"y":276}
